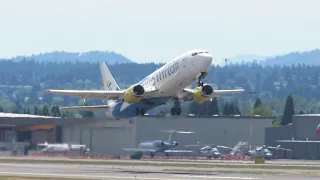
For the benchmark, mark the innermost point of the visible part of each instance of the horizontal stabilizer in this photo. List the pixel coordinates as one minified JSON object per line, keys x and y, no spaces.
{"x":86,"y":108}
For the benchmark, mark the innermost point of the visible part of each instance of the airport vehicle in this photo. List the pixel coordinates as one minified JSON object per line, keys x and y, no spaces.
{"x":65,"y":147}
{"x":209,"y":150}
{"x":157,"y":146}
{"x":167,"y":83}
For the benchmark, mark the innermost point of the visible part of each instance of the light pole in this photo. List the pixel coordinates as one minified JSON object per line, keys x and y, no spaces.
{"x":251,"y":104}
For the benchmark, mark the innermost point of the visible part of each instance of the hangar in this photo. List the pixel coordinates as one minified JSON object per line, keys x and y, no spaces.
{"x":108,"y":137}
{"x":304,"y":127}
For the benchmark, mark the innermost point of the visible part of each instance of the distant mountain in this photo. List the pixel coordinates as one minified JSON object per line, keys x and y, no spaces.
{"x":91,"y":56}
{"x":307,"y":57}
{"x":247,"y":58}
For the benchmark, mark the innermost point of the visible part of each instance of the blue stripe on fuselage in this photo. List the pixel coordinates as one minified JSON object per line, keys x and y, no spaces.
{"x":130,"y":110}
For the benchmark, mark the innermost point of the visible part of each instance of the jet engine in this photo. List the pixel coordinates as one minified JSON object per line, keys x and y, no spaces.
{"x":159,"y":143}
{"x":133,"y":94}
{"x":202,"y":94}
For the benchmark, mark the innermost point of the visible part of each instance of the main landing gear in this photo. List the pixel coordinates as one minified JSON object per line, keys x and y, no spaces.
{"x":140,"y":111}
{"x":176,"y":110}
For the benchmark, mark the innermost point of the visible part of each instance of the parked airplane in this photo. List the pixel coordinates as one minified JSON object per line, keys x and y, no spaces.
{"x":59,"y":147}
{"x":157,"y":146}
{"x":209,"y":150}
{"x":167,"y":83}
{"x":259,"y":151}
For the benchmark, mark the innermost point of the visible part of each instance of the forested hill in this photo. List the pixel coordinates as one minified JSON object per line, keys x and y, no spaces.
{"x":22,"y":83}
{"x":91,"y":56}
{"x":308,"y":57}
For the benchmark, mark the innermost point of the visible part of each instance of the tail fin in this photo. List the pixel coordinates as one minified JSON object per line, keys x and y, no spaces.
{"x":108,"y":81}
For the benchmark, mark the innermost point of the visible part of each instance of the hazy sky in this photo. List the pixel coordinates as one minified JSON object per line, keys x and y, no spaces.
{"x":146,"y":30}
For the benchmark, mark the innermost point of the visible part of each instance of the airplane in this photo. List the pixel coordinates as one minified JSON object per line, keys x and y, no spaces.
{"x":157,"y":146}
{"x":258,"y":151}
{"x":59,"y":147}
{"x":209,"y":150}
{"x":168,"y":83}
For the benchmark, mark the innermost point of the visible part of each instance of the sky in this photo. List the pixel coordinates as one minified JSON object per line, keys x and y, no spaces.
{"x":158,"y":31}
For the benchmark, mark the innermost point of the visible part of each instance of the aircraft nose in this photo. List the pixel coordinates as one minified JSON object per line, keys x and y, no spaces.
{"x":206,"y":58}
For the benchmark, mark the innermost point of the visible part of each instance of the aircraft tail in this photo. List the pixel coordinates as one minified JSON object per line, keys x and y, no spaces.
{"x":108,"y":81}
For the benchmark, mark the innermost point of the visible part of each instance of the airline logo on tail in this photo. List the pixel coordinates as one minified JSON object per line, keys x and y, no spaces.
{"x":318,"y":129}
{"x":108,"y":85}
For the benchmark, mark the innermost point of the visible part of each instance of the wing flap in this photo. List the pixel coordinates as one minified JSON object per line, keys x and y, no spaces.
{"x":86,"y":108}
{"x":115,"y":95}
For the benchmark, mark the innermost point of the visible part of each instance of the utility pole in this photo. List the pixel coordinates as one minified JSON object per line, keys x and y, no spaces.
{"x":251,"y":106}
{"x":226,"y":60}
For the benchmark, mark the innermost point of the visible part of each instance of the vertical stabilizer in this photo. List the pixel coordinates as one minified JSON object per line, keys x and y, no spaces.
{"x":108,"y":81}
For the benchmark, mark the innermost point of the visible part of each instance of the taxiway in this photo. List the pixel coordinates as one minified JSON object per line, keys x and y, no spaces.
{"x":85,"y":171}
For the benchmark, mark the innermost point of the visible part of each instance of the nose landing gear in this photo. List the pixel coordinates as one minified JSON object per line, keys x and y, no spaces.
{"x":176,"y":110}
{"x":203,"y":75}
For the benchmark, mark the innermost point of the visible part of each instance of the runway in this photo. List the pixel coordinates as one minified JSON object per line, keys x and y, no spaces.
{"x":83,"y":171}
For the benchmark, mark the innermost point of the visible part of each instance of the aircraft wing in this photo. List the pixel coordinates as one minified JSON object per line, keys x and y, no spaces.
{"x":178,"y":151}
{"x":187,"y":93}
{"x":77,"y":146}
{"x":139,"y":150}
{"x":86,"y":108}
{"x":104,"y":94}
{"x":112,"y":95}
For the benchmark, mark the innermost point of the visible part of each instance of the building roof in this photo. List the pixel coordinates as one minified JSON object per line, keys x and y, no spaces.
{"x":12,"y":115}
{"x":307,"y":115}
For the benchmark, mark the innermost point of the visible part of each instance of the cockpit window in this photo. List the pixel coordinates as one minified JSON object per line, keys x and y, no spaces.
{"x":196,"y":53}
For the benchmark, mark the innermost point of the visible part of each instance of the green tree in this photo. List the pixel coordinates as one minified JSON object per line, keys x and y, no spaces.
{"x":15,"y":111}
{"x":45,"y":110}
{"x":288,"y":111}
{"x":257,"y":103}
{"x":226,"y":109}
{"x":262,"y":111}
{"x":213,"y":107}
{"x":193,"y":108}
{"x":301,"y":112}
{"x":1,"y":109}
{"x":36,"y":110}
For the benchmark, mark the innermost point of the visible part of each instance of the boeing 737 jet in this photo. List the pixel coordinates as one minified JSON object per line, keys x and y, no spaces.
{"x":168,"y":83}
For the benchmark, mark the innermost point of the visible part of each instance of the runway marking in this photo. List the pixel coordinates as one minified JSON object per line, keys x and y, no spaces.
{"x":117,"y":177}
{"x":219,"y":177}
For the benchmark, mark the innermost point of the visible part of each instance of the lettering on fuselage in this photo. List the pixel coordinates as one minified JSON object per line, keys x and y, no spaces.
{"x":163,"y":73}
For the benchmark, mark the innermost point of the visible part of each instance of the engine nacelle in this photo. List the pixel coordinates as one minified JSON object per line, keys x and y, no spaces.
{"x":159,"y":143}
{"x":202,"y":94}
{"x":133,"y":94}
{"x":175,"y":143}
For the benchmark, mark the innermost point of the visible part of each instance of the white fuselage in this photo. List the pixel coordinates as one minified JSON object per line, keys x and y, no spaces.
{"x":169,"y":80}
{"x":177,"y":74}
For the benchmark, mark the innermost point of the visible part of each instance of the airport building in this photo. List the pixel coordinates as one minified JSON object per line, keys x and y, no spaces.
{"x":303,"y":127}
{"x":107,"y":137}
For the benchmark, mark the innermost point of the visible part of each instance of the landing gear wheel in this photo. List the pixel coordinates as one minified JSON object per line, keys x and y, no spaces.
{"x":178,"y":111}
{"x":151,"y":155}
{"x":142,"y":112}
{"x":173,"y":111}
